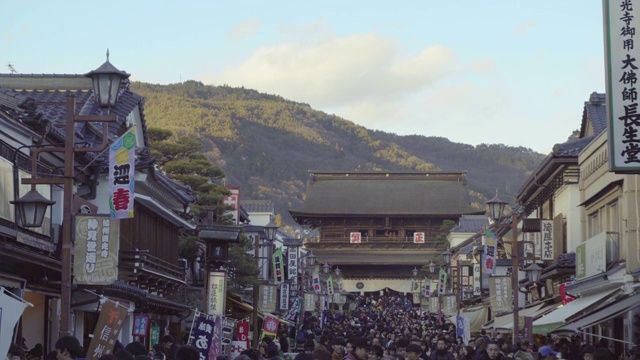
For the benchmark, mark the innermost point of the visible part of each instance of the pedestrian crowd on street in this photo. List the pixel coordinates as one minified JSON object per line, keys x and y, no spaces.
{"x":377,"y":328}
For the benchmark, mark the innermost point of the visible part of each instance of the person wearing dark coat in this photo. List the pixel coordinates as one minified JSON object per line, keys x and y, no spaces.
{"x":442,"y":352}
{"x":491,"y":352}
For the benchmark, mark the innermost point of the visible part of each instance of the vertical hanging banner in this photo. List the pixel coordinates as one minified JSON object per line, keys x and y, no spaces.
{"x":292,"y":263}
{"x":434,"y":305}
{"x":216,"y":340}
{"x":427,"y":287}
{"x":232,"y":202}
{"x":317,"y":288}
{"x":477,"y":285}
{"x":96,"y":252}
{"x":294,"y":310}
{"x":340,"y":285}
{"x":449,"y":305}
{"x":500,"y":294}
{"x":107,"y":330}
{"x":228,"y":325}
{"x":310,"y":302}
{"x":267,"y":300}
{"x":546,"y":229}
{"x":122,"y":163}
{"x":284,"y":296}
{"x":330,"y":285}
{"x":243,"y":333}
{"x":463,"y":328}
{"x":622,"y":60}
{"x":442,"y":281}
{"x":216,"y":293}
{"x":202,"y":334}
{"x":278,"y":268}
{"x":11,"y":309}
{"x":490,"y":248}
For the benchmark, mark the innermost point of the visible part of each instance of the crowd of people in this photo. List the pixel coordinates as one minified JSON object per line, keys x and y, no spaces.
{"x":384,"y":327}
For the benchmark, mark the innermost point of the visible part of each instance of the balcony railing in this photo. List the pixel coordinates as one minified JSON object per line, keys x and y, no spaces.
{"x":142,"y":260}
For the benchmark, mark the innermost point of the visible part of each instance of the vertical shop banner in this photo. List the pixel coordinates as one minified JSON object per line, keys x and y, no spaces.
{"x":216,"y":340}
{"x":490,"y":249}
{"x":548,"y":251}
{"x":315,"y":280}
{"x":295,"y":309}
{"x":154,"y":336}
{"x":270,"y":327}
{"x":97,"y":239}
{"x":122,"y":163}
{"x":268,"y":298}
{"x":477,"y":285}
{"x":228,"y":325}
{"x":284,"y":296}
{"x":310,"y":302}
{"x":107,"y":330}
{"x":434,"y":305}
{"x":216,"y":293}
{"x":202,"y":334}
{"x":449,"y":305}
{"x":278,"y":267}
{"x":140,"y":325}
{"x":243,"y":333}
{"x":500,"y":294}
{"x":427,"y":287}
{"x":11,"y":309}
{"x":463,"y":328}
{"x":232,"y":202}
{"x":526,"y":328}
{"x":340,"y":285}
{"x":292,"y":263}
{"x":330,"y":285}
{"x":442,"y":281}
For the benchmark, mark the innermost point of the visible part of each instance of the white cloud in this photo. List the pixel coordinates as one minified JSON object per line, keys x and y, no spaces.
{"x":525,"y":27}
{"x":245,"y":29}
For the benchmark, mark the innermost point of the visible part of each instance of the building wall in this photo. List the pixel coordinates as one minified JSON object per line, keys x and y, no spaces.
{"x":566,"y":202}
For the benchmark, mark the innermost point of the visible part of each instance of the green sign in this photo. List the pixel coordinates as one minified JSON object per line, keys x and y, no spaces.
{"x":155,"y":336}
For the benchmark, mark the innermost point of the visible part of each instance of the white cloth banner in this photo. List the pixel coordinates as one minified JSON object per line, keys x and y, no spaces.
{"x":11,"y":309}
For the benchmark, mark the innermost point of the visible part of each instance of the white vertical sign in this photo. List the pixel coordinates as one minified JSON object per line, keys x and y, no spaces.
{"x":622,"y":60}
{"x":477,"y":286}
{"x":292,"y":263}
{"x":546,"y":232}
{"x":284,"y":296}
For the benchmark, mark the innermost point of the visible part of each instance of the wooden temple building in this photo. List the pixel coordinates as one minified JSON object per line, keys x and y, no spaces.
{"x":379,"y":226}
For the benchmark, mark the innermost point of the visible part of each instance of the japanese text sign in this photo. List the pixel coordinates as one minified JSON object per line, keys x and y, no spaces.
{"x":490,"y":249}
{"x":121,"y":176}
{"x":107,"y":330}
{"x":96,"y":252}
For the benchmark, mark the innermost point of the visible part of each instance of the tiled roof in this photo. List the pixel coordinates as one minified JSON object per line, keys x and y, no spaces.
{"x":596,"y":111}
{"x":471,"y":223}
{"x":257,"y":205}
{"x":572,"y":147}
{"x":386,"y":193}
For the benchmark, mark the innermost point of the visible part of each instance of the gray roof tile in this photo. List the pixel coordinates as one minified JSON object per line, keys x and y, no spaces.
{"x":257,"y":205}
{"x":471,"y":223}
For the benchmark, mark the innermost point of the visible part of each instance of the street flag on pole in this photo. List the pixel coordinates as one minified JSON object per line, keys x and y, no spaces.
{"x":11,"y":308}
{"x":330,"y":285}
{"x":122,"y":161}
{"x":278,"y":267}
{"x":490,"y":252}
{"x":317,"y":288}
{"x":442,"y":284}
{"x":427,"y":287}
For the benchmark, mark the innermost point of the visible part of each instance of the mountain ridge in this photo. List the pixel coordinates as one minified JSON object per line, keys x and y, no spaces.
{"x":266,"y":144}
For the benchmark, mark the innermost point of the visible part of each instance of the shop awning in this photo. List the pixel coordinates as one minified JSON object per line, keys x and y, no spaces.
{"x":505,"y":322}
{"x":542,"y":310}
{"x":558,"y":317}
{"x":611,"y":311}
{"x":477,"y":316}
{"x":158,"y":304}
{"x":260,"y":313}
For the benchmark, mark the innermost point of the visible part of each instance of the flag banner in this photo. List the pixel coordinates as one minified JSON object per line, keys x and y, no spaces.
{"x":292,"y":263}
{"x":243,"y":333}
{"x":284,"y":296}
{"x":427,"y":287}
{"x":278,"y":271}
{"x":217,"y":293}
{"x":490,"y":248}
{"x":11,"y":308}
{"x":317,"y":288}
{"x":330,"y":285}
{"x":202,"y":333}
{"x":96,"y":252}
{"x":442,"y":281}
{"x":107,"y":330}
{"x":294,"y":310}
{"x":310,"y":302}
{"x":500,"y":295}
{"x":270,"y":327}
{"x":216,"y":340}
{"x":434,"y":305}
{"x":122,"y":163}
{"x":267,"y":300}
{"x":228,"y":325}
{"x":414,"y":284}
{"x":340,"y":285}
{"x":463,"y":328}
{"x":449,"y":305}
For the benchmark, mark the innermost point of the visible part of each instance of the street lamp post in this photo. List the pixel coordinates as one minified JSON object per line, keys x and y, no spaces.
{"x":496,"y":209}
{"x":270,"y":232}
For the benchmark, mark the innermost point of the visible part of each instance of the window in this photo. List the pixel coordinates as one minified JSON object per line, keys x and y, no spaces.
{"x":594,"y":223}
{"x":614,"y":217}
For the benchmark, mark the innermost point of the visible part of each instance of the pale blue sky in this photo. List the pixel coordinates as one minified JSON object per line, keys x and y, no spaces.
{"x":491,"y":71}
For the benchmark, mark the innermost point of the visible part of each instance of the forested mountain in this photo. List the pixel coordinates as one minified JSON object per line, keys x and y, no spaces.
{"x":266,"y":144}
